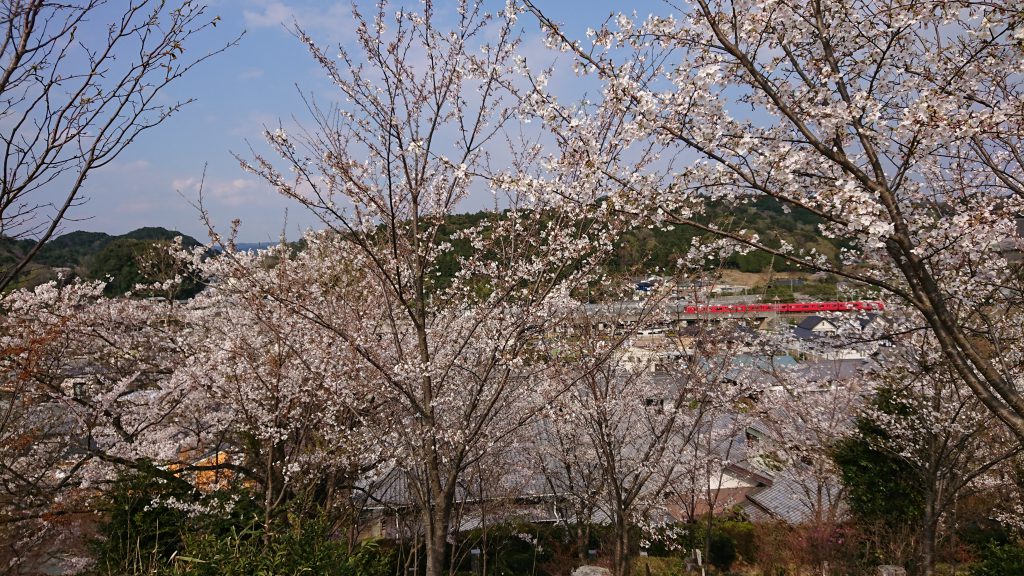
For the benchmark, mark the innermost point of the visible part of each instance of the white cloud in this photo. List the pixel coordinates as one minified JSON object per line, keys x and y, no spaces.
{"x":239,"y":192}
{"x":332,"y":21}
{"x":185,"y":185}
{"x":270,"y":14}
{"x":251,"y":74}
{"x":129,"y":166}
{"x":232,"y":192}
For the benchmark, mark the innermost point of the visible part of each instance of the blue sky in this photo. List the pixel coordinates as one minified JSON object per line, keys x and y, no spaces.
{"x":238,"y":93}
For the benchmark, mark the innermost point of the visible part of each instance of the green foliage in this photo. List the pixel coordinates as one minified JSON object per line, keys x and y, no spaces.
{"x":732,"y":539}
{"x":121,"y":262}
{"x":34,"y":275}
{"x":138,"y":532}
{"x":754,"y":261}
{"x":142,"y":535}
{"x":117,"y":263}
{"x":1000,"y":560}
{"x":884,"y":489}
{"x":885,"y":494}
{"x":155,"y":233}
{"x":76,"y":249}
{"x":306,"y":547}
{"x":997,"y":549}
{"x":741,"y":534}
{"x":73,"y":249}
{"x":95,"y":256}
{"x":512,"y":548}
{"x":721,"y":551}
{"x":979,"y":533}
{"x":12,"y":250}
{"x":646,"y":249}
{"x":447,"y":265}
{"x":819,"y":290}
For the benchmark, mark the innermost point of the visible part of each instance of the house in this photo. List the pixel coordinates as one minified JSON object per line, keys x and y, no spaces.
{"x":814,"y":327}
{"x":763,"y":488}
{"x":817,"y":337}
{"x":794,"y":500}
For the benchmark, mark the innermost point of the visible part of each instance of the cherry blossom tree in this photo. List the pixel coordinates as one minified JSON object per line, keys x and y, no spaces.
{"x":804,"y":412}
{"x":897,"y":125}
{"x":82,"y":393}
{"x":626,"y":429}
{"x":72,"y":101}
{"x":803,"y":421}
{"x":571,"y":472}
{"x":279,"y":396}
{"x":231,"y":389}
{"x":925,"y":417}
{"x":444,"y":327}
{"x":700,"y":487}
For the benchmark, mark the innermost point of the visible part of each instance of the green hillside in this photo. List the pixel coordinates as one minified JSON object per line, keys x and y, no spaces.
{"x":11,"y":250}
{"x":152,"y":233}
{"x":90,"y":255}
{"x":115,"y":259}
{"x":72,"y":249}
{"x":647,"y":249}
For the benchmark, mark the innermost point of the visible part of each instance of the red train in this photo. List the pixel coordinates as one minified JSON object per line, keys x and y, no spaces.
{"x":791,"y":308}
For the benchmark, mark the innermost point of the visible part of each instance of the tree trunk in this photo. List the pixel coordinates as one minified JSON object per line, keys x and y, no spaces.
{"x":582,"y":541}
{"x":436,"y":521}
{"x":707,"y":533}
{"x":436,"y":541}
{"x":620,"y":557}
{"x":927,"y":536}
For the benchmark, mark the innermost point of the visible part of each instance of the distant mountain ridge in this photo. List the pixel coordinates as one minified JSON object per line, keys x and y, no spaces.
{"x":91,"y":255}
{"x":101,"y":256}
{"x":74,"y":248}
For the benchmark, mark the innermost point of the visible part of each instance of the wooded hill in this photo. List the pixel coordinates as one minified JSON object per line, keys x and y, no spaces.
{"x":90,"y":255}
{"x":647,"y":249}
{"x":644,"y":249}
{"x":96,"y":255}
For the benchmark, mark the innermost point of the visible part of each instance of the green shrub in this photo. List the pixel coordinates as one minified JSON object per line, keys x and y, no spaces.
{"x":722,"y":551}
{"x":306,"y":548}
{"x":741,"y":533}
{"x":513,"y":548}
{"x":138,"y":531}
{"x":1004,"y":560}
{"x":884,"y":489}
{"x":732,"y":539}
{"x":142,"y":535}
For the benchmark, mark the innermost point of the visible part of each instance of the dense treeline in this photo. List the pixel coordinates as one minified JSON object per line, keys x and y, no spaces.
{"x":644,"y":250}
{"x":94,"y":256}
{"x":652,"y":248}
{"x":100,"y":256}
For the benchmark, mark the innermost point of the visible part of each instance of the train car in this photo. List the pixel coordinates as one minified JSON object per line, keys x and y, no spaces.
{"x":787,"y":308}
